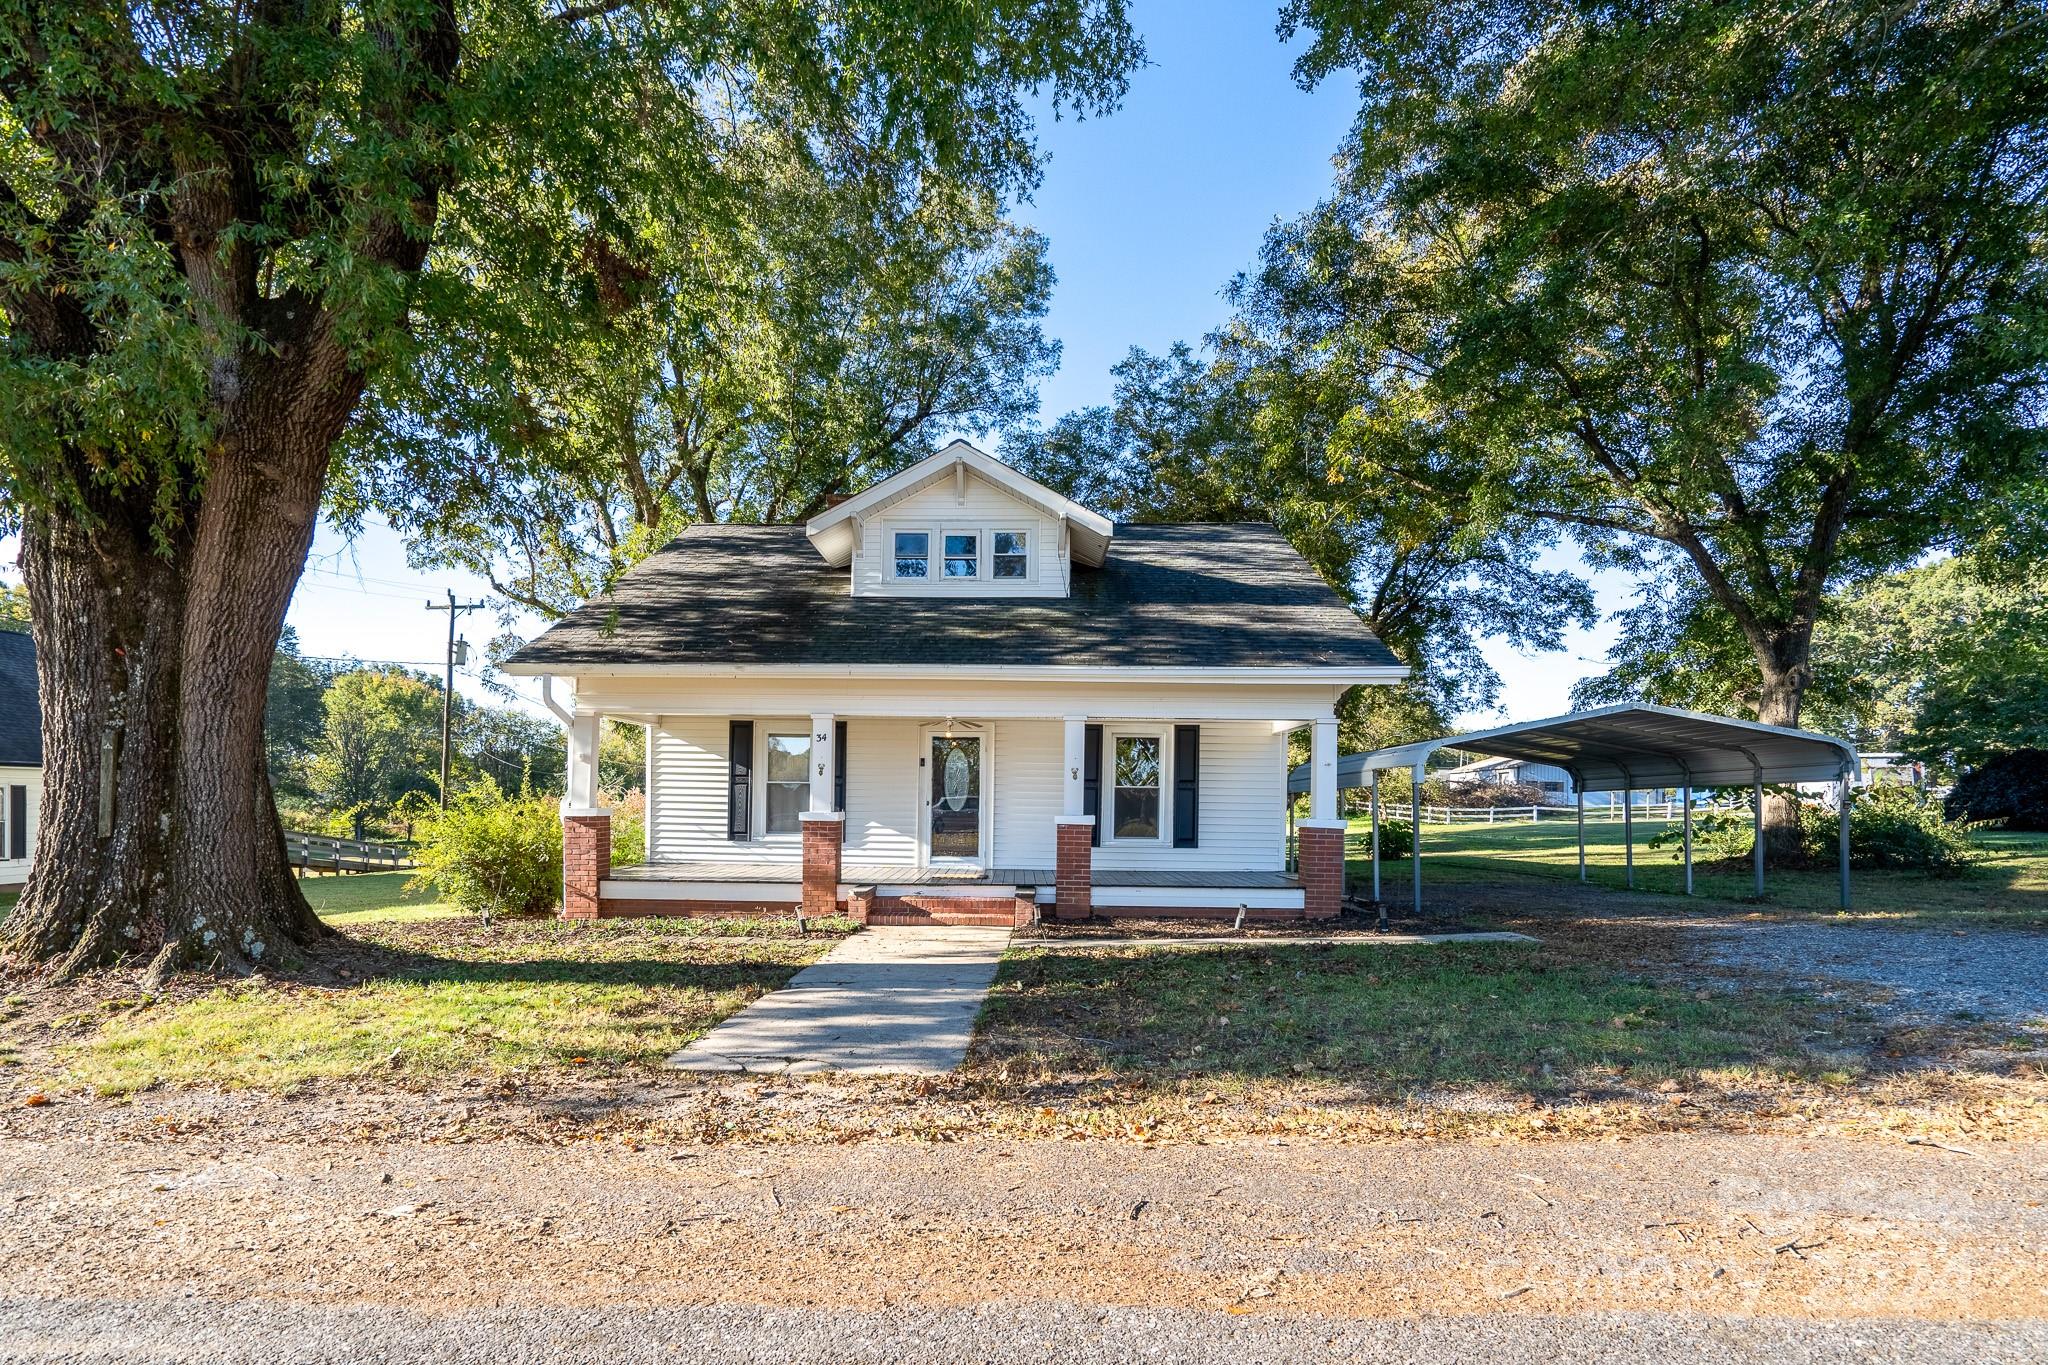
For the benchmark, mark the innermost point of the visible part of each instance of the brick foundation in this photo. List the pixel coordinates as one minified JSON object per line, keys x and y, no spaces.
{"x":1074,"y":868}
{"x":822,"y":842}
{"x":1320,"y":865}
{"x":618,"y":907}
{"x":586,"y":857}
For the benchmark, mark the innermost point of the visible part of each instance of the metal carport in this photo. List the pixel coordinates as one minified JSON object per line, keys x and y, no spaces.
{"x":1624,"y":749}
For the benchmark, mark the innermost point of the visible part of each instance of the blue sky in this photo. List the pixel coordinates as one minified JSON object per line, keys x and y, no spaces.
{"x":1149,"y":212}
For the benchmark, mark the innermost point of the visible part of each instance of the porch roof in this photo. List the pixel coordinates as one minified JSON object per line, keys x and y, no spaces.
{"x":1630,"y":746}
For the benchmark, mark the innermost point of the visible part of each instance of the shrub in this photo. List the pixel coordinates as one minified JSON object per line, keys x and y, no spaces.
{"x":1479,"y":794}
{"x":2011,"y":787}
{"x":1717,"y":836}
{"x":491,"y":853}
{"x":1891,"y":827}
{"x":629,"y":828}
{"x":1397,"y":840}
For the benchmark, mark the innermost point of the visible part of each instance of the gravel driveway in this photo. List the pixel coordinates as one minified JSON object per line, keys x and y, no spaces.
{"x":1997,"y":974}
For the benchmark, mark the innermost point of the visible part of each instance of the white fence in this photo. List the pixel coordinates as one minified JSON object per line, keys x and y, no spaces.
{"x":1526,"y":815}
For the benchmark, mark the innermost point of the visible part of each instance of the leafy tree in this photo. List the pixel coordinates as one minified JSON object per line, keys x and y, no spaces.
{"x":13,"y":608}
{"x":219,"y":224}
{"x":1246,"y":436}
{"x":380,"y":740}
{"x":818,"y":346}
{"x":1747,"y":293}
{"x":293,"y":716}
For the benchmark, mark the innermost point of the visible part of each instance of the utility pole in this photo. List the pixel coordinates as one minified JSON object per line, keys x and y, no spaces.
{"x":458,"y":652}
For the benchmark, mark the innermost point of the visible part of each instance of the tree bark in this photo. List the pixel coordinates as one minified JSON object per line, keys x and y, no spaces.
{"x":1787,"y":670}
{"x":159,"y":835}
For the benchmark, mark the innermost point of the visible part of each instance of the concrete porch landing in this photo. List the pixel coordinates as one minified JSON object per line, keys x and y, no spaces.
{"x":898,"y":1000}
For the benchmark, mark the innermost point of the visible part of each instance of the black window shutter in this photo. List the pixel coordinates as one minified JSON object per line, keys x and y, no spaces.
{"x":17,"y":822}
{"x":839,"y":766}
{"x":739,"y":795}
{"x":1187,"y":786}
{"x":1091,"y":781}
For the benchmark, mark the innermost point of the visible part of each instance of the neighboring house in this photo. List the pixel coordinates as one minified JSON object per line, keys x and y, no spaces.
{"x":1555,"y":783}
{"x":21,"y":757}
{"x":959,"y":696}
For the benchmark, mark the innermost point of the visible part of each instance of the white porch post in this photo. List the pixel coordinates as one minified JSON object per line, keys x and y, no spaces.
{"x":1322,"y":775}
{"x":824,"y":763}
{"x":1073,"y":795}
{"x":580,"y":788}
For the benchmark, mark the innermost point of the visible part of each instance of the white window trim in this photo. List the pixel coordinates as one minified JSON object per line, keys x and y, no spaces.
{"x":1030,"y":534}
{"x":763,"y":729}
{"x":981,"y":542}
{"x":891,"y":532}
{"x":1109,"y":834}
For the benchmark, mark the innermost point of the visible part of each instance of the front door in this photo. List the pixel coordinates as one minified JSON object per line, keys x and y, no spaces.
{"x":953,"y":798}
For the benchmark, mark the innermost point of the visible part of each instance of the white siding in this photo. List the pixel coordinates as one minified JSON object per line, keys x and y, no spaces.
{"x":687,"y":792}
{"x":1243,"y":823}
{"x":936,"y":509}
{"x":14,"y":871}
{"x":1028,"y":791}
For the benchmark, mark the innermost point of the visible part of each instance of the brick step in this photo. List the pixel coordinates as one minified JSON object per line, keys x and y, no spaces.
{"x":921,"y":917}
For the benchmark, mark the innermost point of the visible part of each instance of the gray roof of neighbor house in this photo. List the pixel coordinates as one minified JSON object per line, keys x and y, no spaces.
{"x":21,"y":719}
{"x":1184,"y":596}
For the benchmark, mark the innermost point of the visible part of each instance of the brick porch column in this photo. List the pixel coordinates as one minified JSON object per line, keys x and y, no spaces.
{"x":824,"y":834}
{"x":586,"y":857}
{"x":1320,"y":860}
{"x":1074,"y":868}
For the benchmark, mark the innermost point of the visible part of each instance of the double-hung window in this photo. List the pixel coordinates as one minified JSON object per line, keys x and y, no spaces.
{"x":1012,"y":554}
{"x":1135,"y":814}
{"x":913,"y":554}
{"x":963,"y":554}
{"x":788,"y":781}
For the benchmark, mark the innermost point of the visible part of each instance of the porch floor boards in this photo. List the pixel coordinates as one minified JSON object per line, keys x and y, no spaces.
{"x":863,"y":874}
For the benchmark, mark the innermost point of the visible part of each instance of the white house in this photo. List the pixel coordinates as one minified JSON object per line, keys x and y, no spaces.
{"x":21,"y":757}
{"x":960,"y":695}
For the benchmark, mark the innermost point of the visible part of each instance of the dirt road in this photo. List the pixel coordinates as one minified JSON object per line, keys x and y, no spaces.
{"x":1709,"y":1247}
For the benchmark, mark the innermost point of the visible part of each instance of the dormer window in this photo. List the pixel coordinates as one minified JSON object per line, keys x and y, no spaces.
{"x":913,"y":554}
{"x":963,"y":554}
{"x":1013,"y":554}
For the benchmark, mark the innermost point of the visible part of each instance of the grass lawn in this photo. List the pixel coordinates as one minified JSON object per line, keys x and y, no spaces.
{"x":2010,"y":885}
{"x":1530,"y":1018}
{"x":372,"y":897}
{"x":419,"y":996}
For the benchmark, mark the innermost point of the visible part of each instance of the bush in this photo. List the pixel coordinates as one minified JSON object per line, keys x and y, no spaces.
{"x":490,"y":853}
{"x":1895,"y":828}
{"x":1466,"y":795}
{"x":1397,"y":840}
{"x":2011,"y":787}
{"x":1717,"y":836}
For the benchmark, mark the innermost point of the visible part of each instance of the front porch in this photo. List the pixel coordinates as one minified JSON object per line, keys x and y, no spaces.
{"x":888,"y":893}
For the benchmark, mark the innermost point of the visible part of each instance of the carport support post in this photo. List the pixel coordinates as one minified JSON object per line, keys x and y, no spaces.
{"x":1375,"y":783}
{"x":1582,"y":833}
{"x":1628,"y":833}
{"x":1842,"y":856}
{"x":1686,"y":791}
{"x":1415,"y":836}
{"x":1756,"y":815}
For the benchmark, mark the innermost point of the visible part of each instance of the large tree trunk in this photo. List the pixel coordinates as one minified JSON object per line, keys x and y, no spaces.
{"x":1787,"y":669}
{"x":159,"y":837}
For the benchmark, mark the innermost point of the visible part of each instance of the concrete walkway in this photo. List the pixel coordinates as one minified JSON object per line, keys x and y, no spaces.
{"x":899,"y":999}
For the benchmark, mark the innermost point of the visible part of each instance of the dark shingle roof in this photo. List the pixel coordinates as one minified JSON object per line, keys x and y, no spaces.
{"x":1187,"y":596}
{"x":21,"y":719}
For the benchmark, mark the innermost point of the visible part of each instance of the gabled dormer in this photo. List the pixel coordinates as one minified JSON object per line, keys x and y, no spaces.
{"x":960,"y":523}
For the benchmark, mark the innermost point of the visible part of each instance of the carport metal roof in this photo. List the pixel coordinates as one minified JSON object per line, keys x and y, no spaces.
{"x":1630,"y":747}
{"x":1626,"y":748}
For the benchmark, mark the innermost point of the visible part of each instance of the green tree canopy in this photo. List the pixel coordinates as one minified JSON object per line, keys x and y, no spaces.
{"x":220,"y":223}
{"x":1749,"y":294}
